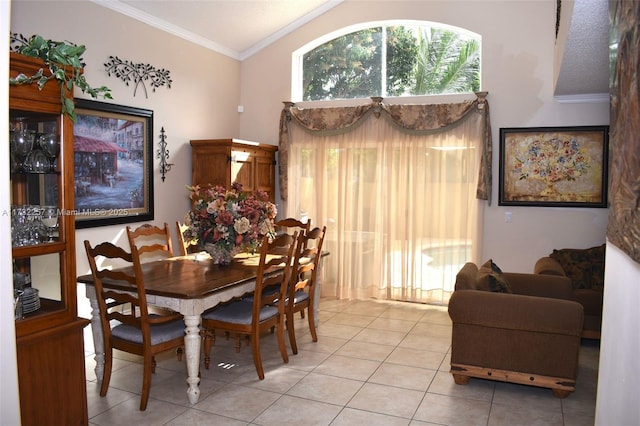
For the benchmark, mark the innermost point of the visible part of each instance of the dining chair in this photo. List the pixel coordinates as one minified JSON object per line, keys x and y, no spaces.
{"x":264,"y":311}
{"x":151,"y":241}
{"x":289,"y":223}
{"x":186,"y":248}
{"x":304,"y":278}
{"x":125,"y":320}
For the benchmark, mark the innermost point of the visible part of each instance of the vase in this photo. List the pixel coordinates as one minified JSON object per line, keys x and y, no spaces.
{"x":550,"y":190}
{"x":219,"y":254}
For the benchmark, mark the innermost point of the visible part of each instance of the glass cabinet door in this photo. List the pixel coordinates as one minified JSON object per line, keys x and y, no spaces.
{"x":37,"y":225}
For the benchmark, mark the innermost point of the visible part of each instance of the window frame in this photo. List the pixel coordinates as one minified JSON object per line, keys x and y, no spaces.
{"x":297,"y":56}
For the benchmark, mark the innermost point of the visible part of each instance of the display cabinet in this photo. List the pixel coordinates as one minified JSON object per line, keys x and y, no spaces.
{"x":224,"y":161}
{"x":49,"y":338}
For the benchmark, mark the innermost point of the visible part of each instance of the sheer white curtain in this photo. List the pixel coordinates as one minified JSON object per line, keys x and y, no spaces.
{"x":400,"y":207}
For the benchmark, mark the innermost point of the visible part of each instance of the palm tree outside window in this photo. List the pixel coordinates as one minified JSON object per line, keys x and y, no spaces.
{"x":411,"y":59}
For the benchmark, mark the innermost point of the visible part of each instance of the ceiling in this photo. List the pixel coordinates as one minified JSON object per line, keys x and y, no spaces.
{"x":240,"y":28}
{"x":583,"y":49}
{"x":236,"y":28}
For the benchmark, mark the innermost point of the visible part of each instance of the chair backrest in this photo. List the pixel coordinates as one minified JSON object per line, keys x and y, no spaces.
{"x":274,"y":254}
{"x":151,"y":241}
{"x":290,"y":223}
{"x":306,"y":261}
{"x":186,"y":248}
{"x":126,"y":306}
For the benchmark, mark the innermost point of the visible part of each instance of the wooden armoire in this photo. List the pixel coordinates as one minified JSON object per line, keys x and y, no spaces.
{"x":225,"y":161}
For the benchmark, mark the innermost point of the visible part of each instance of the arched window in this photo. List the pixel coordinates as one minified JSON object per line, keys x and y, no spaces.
{"x":399,"y":58}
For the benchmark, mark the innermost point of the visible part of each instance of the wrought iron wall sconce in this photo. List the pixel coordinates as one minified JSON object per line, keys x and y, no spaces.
{"x":163,"y":155}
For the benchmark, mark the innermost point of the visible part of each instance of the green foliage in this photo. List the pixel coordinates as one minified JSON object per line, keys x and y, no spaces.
{"x":402,"y":50}
{"x":59,"y":57}
{"x":418,"y":62}
{"x":446,"y":63}
{"x":345,"y":67}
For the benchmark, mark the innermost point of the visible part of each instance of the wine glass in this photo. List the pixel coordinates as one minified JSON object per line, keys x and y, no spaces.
{"x":50,"y":220}
{"x":21,"y":145}
{"x":18,"y":226}
{"x":37,"y":162}
{"x":50,"y":145}
{"x":34,"y":222}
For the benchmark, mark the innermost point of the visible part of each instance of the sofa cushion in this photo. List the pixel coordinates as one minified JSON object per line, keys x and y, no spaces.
{"x":490,"y":278}
{"x":590,"y":300}
{"x":585,"y":267}
{"x":466,"y":279}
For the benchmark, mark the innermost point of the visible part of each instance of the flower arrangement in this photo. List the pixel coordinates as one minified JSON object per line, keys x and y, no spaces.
{"x":551,"y":160}
{"x":225,"y":222}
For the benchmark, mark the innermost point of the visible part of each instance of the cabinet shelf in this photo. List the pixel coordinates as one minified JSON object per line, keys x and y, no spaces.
{"x":22,"y":173}
{"x":47,"y":306}
{"x":38,"y":249}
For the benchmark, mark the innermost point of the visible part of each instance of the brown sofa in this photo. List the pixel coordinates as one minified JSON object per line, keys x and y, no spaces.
{"x":585,"y":269}
{"x":528,"y":334}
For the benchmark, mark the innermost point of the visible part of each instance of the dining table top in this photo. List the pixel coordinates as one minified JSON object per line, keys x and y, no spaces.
{"x":188,"y":277}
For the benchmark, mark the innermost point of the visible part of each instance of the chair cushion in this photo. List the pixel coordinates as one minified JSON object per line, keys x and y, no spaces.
{"x":584,"y":267}
{"x":300,"y":296}
{"x":239,"y":312}
{"x":159,"y":332}
{"x":490,"y":278}
{"x":265,"y":292}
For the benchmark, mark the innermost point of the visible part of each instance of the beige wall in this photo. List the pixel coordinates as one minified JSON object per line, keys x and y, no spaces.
{"x":201,"y":103}
{"x":517,"y":70}
{"x":618,"y":371}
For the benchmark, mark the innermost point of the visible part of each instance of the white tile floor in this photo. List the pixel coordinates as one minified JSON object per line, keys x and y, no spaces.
{"x":375,"y":363}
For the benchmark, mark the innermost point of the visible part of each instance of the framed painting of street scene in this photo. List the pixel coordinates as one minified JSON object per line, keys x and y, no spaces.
{"x":113,"y":164}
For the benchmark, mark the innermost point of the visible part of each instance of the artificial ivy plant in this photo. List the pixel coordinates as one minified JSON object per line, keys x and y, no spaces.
{"x":59,"y":57}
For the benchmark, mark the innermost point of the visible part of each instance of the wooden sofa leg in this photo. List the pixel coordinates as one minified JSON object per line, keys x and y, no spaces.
{"x":460,"y":380}
{"x":561,"y":393}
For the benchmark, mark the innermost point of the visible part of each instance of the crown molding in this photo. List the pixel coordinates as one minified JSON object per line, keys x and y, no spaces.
{"x":289,"y":28}
{"x":137,"y":14}
{"x":582,"y":98}
{"x":165,"y":26}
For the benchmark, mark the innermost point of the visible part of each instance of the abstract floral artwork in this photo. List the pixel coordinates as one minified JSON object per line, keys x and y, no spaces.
{"x":554,"y":166}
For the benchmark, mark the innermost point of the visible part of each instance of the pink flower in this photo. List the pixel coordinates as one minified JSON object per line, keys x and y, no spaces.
{"x":229,"y":219}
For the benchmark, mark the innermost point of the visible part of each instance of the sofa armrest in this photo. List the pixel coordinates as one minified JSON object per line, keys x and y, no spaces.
{"x":516,"y":312}
{"x":548,"y":266}
{"x":539,"y":285}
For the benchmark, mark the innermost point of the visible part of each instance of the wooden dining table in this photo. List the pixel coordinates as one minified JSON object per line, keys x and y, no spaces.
{"x":189,"y":285}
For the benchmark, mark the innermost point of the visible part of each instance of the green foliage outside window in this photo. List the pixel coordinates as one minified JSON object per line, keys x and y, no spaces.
{"x":419,"y":61}
{"x":446,"y":63}
{"x":345,"y":67}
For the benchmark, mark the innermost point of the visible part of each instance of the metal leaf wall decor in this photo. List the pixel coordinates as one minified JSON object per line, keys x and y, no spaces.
{"x":129,"y":72}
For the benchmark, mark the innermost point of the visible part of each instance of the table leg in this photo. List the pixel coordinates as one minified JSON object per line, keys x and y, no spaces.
{"x":192,"y":352}
{"x":316,"y":295}
{"x":96,"y":331}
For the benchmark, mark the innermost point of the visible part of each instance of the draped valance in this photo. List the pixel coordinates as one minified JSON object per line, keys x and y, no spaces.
{"x":414,"y":119}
